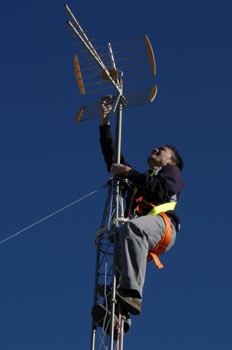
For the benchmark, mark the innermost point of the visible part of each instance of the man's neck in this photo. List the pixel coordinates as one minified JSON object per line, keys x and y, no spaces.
{"x":154,"y":168}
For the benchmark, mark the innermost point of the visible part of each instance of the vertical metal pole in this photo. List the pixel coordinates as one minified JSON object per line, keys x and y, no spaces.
{"x":93,"y":332}
{"x":118,"y":136}
{"x":93,"y":335}
{"x":122,"y":333}
{"x":116,"y":200}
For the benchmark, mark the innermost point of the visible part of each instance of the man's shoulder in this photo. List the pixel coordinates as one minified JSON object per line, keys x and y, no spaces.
{"x":170,"y":169}
{"x":171,"y":173}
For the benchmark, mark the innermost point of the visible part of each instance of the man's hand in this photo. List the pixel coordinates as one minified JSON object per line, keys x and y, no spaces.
{"x":105,"y":110}
{"x":119,"y":169}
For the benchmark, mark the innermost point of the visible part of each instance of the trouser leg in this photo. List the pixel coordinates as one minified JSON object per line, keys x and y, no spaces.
{"x":136,"y":238}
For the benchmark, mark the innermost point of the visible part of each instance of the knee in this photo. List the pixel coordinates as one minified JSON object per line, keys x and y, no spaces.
{"x":130,"y":229}
{"x":173,"y":239}
{"x":125,"y":230}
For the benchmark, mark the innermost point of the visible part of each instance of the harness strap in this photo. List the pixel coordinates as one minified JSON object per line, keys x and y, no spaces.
{"x":163,"y":243}
{"x":142,"y":205}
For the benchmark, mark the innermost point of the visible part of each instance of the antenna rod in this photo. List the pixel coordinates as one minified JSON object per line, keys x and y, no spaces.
{"x":84,"y":39}
{"x":96,"y":57}
{"x":112,"y":59}
{"x":80,"y":29}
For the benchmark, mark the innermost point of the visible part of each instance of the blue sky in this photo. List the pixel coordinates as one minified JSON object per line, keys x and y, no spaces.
{"x":47,"y":273}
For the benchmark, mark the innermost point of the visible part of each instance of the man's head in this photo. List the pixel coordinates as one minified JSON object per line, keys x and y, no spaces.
{"x":165,"y":155}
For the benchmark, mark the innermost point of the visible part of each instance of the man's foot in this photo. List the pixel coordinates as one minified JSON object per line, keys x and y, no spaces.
{"x":126,"y":298}
{"x":101,"y":316}
{"x":131,"y":304}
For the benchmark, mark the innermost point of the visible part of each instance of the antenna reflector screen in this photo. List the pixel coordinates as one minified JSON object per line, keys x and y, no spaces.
{"x":78,"y":75}
{"x":150,"y":55}
{"x":79,"y":114}
{"x":153,"y":93}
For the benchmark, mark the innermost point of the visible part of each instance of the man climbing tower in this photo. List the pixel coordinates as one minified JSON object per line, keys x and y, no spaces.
{"x":151,"y":199}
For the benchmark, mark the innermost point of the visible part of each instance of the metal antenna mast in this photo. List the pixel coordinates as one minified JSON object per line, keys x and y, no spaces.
{"x":101,"y":70}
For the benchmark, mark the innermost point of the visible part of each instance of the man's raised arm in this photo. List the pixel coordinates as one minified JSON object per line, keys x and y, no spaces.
{"x":106,"y":139}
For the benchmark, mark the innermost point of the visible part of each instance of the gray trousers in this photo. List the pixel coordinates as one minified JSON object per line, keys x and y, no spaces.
{"x":136,"y":238}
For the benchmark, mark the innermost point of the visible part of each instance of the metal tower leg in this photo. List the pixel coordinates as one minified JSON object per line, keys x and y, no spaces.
{"x":106,"y":261}
{"x":104,"y":333}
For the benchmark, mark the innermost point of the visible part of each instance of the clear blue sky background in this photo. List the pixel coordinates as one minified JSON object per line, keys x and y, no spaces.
{"x":47,"y":273}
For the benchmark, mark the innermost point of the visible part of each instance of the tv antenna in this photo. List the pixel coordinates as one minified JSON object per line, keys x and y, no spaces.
{"x":122,"y":64}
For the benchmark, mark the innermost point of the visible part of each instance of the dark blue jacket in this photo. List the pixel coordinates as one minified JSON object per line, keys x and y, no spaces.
{"x":164,"y":187}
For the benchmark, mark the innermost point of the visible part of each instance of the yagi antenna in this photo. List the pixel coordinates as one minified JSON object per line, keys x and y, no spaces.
{"x":96,"y":72}
{"x":116,"y":67}
{"x":130,"y":60}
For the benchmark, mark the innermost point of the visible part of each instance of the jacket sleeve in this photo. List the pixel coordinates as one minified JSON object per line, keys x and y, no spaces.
{"x":167,"y":184}
{"x":108,"y":146}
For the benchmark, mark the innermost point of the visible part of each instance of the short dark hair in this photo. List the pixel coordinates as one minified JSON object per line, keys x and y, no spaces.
{"x":176,"y":157}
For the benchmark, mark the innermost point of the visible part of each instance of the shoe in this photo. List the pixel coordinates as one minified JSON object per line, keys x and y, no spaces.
{"x":130,"y":304}
{"x":101,"y":316}
{"x":105,"y":291}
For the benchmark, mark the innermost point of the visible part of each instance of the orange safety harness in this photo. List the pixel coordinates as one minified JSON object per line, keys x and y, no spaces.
{"x":165,"y":240}
{"x":163,"y":243}
{"x":160,"y":248}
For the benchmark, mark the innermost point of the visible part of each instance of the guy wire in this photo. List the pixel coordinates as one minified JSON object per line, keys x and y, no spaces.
{"x":67,"y":206}
{"x":52,"y":214}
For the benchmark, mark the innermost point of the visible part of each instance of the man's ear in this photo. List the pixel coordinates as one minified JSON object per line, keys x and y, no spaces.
{"x":172,"y":162}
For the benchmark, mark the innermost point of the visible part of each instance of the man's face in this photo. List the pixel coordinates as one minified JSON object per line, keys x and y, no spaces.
{"x":160,"y":156}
